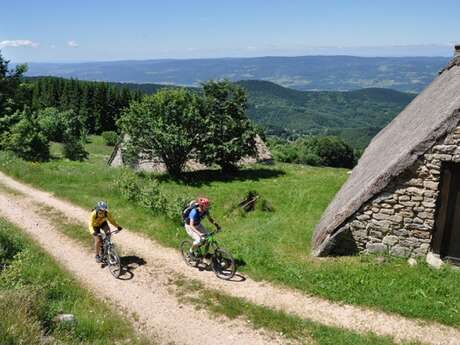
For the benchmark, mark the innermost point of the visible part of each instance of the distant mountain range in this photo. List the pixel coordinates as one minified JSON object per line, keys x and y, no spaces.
{"x":334,"y":73}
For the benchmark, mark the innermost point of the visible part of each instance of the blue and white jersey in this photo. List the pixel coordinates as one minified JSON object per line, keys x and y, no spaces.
{"x":196,"y":215}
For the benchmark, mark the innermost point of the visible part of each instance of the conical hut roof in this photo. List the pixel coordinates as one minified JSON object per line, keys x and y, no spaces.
{"x":432,"y":114}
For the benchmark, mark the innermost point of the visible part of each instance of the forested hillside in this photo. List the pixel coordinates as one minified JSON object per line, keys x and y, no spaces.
{"x":356,"y":116}
{"x":98,"y":104}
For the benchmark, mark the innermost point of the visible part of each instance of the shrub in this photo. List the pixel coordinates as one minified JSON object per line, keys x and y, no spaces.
{"x":74,"y":149}
{"x":74,"y":136}
{"x":127,"y":184}
{"x":26,"y":139}
{"x":110,"y":138}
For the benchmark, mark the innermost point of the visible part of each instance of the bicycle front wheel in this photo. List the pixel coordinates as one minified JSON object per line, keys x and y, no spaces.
{"x":184,"y":248}
{"x":114,"y":263}
{"x":223,"y":264}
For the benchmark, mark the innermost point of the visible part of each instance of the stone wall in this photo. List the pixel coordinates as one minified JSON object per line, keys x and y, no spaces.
{"x":400,"y":220}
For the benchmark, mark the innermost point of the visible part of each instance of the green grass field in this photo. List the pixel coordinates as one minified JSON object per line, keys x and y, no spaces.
{"x":273,"y":246}
{"x":34,"y":289}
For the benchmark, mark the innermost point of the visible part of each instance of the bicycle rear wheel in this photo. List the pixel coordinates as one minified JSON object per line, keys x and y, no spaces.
{"x":184,"y":248}
{"x":223,"y":264}
{"x":114,"y":263}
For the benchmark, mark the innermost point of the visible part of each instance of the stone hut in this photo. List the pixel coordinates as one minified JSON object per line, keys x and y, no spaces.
{"x":403,"y":197}
{"x":155,"y":164}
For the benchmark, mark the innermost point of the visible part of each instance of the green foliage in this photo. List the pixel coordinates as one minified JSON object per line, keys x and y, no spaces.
{"x":355,"y":116}
{"x":51,"y":121}
{"x":74,"y":136}
{"x":11,"y":93}
{"x":26,"y":138}
{"x":167,"y":124}
{"x":34,"y":289}
{"x":274,"y":246}
{"x":149,"y":195}
{"x":229,"y":134}
{"x":314,"y":151}
{"x":110,"y":138}
{"x":98,"y":104}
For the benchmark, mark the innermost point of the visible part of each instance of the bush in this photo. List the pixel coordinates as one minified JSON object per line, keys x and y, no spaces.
{"x":150,"y":195}
{"x":110,"y":138}
{"x":26,"y":139}
{"x":127,"y":184}
{"x":51,"y":122}
{"x":74,"y":136}
{"x":74,"y":149}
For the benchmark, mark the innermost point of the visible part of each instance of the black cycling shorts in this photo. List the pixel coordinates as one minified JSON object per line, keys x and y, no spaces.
{"x":97,"y":230}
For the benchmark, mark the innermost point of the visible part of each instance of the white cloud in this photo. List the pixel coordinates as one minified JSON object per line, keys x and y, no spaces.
{"x":72,"y":44}
{"x":18,"y":43}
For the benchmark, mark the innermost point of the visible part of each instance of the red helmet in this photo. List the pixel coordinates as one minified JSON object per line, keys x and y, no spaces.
{"x":203,"y":202}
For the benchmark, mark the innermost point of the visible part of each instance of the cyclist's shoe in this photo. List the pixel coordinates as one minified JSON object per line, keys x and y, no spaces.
{"x":98,"y":259}
{"x":192,"y":255}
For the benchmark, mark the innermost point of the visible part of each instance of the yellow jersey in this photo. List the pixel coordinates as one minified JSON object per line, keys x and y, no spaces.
{"x":96,"y":221}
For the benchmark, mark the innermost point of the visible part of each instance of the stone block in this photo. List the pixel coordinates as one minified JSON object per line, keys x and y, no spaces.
{"x":430,"y":194}
{"x":357,"y":224}
{"x":363,"y":217}
{"x":404,"y":198}
{"x":376,"y":248}
{"x":429,"y":204}
{"x":425,"y":215}
{"x":417,"y":198}
{"x":400,"y":251}
{"x":406,"y":214}
{"x":390,"y":240}
{"x":415,"y":191}
{"x":421,"y":233}
{"x":392,"y":218}
{"x":401,"y":232}
{"x":431,"y":185}
{"x":419,"y":209}
{"x":444,"y":148}
{"x":415,"y":182}
{"x":434,"y":260}
{"x":375,"y":209}
{"x":408,"y":203}
{"x":387,"y":211}
{"x":442,"y":157}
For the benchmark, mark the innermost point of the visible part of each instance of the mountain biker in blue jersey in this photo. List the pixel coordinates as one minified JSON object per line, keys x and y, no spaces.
{"x":193,"y":225}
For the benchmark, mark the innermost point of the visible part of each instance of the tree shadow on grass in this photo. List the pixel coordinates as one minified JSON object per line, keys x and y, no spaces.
{"x":129,"y":264}
{"x":205,"y":177}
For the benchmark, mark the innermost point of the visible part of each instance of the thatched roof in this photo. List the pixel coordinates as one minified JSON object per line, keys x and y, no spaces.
{"x":431,"y":115}
{"x":263,"y":155}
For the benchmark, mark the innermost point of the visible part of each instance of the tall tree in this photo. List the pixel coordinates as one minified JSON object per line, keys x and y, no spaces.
{"x":10,"y":80}
{"x":167,"y":124}
{"x":229,"y":134}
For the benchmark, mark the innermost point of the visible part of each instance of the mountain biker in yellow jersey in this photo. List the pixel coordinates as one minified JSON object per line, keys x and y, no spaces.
{"x":97,"y":222}
{"x":193,"y":225}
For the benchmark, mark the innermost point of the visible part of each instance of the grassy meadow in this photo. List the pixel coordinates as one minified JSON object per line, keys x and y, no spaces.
{"x":273,"y":246}
{"x":34,"y":289}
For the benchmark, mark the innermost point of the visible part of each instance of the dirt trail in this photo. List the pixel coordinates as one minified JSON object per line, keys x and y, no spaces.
{"x":349,"y":317}
{"x":148,"y":299}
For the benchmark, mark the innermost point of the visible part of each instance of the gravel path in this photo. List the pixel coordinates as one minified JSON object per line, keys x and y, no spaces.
{"x":169,"y":262}
{"x":149,"y":298}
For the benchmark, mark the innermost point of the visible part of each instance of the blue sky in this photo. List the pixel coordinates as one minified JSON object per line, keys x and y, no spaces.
{"x":68,"y":30}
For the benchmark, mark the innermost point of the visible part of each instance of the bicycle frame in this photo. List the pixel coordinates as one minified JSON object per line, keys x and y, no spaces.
{"x":209,"y":245}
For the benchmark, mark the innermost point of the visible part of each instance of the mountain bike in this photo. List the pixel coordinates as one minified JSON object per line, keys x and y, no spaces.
{"x":221,"y":262}
{"x":109,"y":255}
